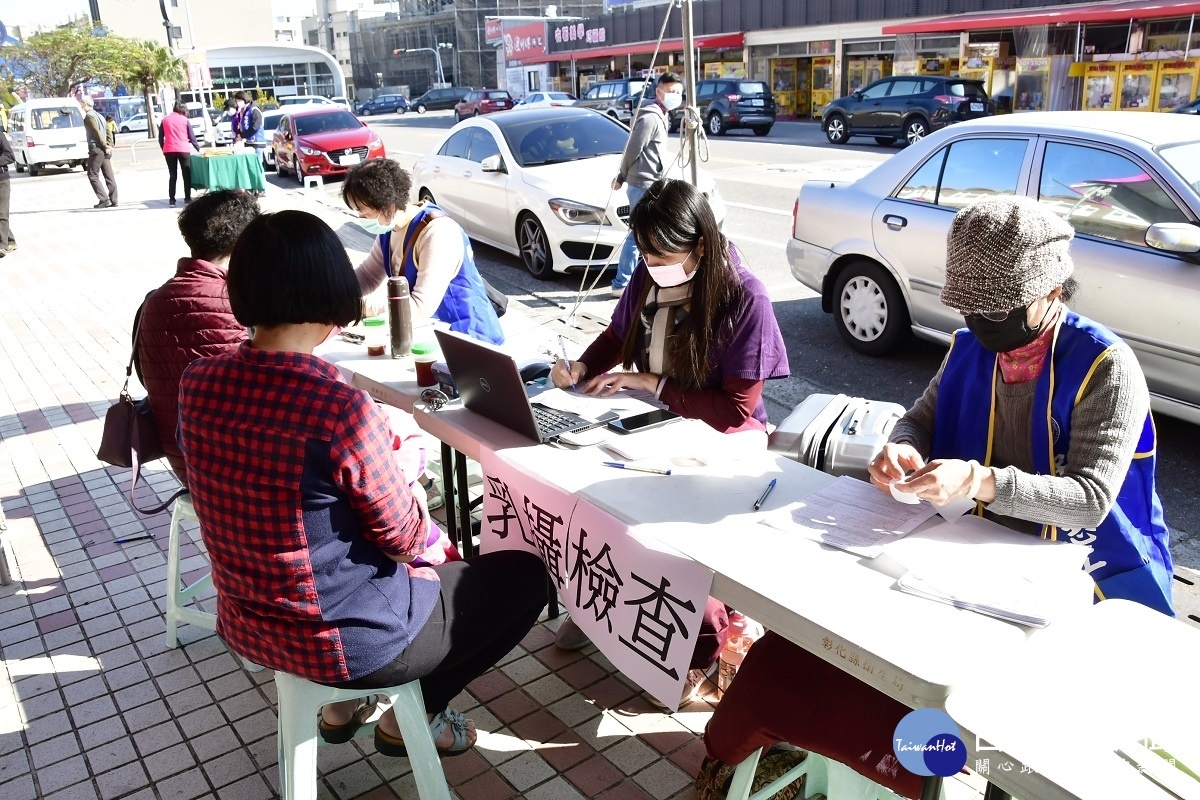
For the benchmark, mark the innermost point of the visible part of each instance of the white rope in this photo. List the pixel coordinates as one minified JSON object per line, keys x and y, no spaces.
{"x":584,"y":288}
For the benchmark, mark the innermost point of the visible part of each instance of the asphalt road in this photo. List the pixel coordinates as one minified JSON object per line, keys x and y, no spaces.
{"x":758,"y":178}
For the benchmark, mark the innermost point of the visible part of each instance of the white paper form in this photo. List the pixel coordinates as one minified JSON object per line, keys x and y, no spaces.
{"x":851,"y":515}
{"x":624,"y":404}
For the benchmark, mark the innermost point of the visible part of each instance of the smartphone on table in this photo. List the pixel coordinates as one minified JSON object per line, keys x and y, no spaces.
{"x":641,"y":422}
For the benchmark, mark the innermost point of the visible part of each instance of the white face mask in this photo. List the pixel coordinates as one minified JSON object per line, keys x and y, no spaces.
{"x":671,"y":274}
{"x":672,"y":100}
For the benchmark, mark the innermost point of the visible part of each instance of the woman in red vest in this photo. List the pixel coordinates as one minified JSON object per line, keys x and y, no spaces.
{"x":177,"y":140}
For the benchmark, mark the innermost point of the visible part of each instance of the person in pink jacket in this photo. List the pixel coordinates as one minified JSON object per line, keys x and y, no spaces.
{"x":177,"y":140}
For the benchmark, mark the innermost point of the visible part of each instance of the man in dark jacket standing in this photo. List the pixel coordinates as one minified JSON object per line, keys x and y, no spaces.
{"x":188,"y":317}
{"x":7,"y":242}
{"x":99,"y":154}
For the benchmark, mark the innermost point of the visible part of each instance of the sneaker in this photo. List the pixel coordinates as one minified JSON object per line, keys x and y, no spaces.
{"x":570,"y":636}
{"x":102,"y":204}
{"x":617,"y":291}
{"x":11,"y":248}
{"x":171,"y":203}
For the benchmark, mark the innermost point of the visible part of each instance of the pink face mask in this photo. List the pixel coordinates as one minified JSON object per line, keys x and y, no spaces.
{"x":671,"y":274}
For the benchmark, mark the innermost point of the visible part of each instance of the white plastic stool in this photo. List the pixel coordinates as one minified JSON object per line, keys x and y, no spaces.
{"x":313,"y":182}
{"x":177,"y":597}
{"x":299,"y":703}
{"x":825,"y":776}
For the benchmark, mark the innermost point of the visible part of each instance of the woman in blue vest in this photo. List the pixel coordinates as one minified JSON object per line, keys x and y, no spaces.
{"x":422,"y":243}
{"x":1038,"y":414}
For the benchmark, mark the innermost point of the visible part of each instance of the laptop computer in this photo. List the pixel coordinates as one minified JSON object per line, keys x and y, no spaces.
{"x":490,"y":384}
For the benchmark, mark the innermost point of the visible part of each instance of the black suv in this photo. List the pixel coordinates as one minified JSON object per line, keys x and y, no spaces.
{"x":726,"y":103}
{"x":909,"y":107}
{"x":440,"y":99}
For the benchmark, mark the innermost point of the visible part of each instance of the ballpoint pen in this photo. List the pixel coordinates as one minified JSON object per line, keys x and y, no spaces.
{"x":563,"y":346}
{"x":635,"y":467}
{"x":134,"y":538}
{"x":759,"y":502}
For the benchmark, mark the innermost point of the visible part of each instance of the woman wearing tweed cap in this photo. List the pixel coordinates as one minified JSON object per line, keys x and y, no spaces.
{"x":1039,"y":415}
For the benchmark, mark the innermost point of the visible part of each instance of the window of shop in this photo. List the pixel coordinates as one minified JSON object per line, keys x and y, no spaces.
{"x":1103,"y":194}
{"x":1168,"y":35}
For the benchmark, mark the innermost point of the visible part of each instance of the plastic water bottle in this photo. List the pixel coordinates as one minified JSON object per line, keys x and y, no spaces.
{"x":399,"y":316}
{"x":743,"y":632}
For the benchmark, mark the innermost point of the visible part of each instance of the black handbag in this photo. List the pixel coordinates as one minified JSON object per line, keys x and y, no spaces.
{"x":498,"y":298}
{"x":130,"y":438}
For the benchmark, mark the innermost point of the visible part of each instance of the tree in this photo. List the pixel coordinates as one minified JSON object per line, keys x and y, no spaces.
{"x":53,"y":62}
{"x":150,"y":66}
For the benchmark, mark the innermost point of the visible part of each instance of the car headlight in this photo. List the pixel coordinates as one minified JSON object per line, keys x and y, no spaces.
{"x":574,"y":213}
{"x":375,"y":144}
{"x":310,"y":151}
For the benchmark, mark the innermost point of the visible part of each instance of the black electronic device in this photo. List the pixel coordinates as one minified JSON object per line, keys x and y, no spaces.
{"x":641,"y":422}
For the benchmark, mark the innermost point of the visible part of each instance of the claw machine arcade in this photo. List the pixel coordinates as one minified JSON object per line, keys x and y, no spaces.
{"x":998,"y":76}
{"x":783,"y":85}
{"x":1176,"y":84}
{"x":821,"y":90}
{"x":1033,"y":85}
{"x":1137,"y":83}
{"x":1100,"y":86}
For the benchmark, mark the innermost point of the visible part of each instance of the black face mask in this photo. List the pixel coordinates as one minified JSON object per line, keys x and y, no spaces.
{"x":1012,"y":333}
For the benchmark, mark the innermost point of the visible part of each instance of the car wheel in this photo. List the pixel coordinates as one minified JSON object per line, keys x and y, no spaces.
{"x":534,"y":247}
{"x":476,"y":114}
{"x":716,"y":124}
{"x":837,"y":131}
{"x":869,"y":309}
{"x":915,"y":129}
{"x":366,"y":112}
{"x":762,"y":130}
{"x":34,"y":170}
{"x":20,"y":167}
{"x":886,"y":141}
{"x":125,"y":129}
{"x":426,"y":196}
{"x":421,"y":109}
{"x":298,"y":170}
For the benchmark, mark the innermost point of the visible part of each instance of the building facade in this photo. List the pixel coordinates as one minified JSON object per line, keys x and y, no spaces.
{"x":198,"y":23}
{"x":276,"y":70}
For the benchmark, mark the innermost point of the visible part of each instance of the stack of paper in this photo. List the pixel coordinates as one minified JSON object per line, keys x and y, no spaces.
{"x":984,"y":567}
{"x":851,"y":515}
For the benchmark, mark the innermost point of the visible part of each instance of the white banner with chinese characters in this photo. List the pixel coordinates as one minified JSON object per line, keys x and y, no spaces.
{"x":640,"y":606}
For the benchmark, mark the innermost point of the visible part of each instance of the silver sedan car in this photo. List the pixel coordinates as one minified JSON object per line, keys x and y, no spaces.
{"x":1128,"y":182}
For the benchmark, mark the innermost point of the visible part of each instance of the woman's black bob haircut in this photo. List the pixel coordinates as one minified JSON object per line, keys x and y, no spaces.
{"x":289,"y":268}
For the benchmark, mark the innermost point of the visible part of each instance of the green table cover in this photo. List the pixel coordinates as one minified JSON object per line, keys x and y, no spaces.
{"x":234,"y":171}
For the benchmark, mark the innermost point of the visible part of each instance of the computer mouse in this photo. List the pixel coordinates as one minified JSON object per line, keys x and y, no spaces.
{"x":533,"y":372}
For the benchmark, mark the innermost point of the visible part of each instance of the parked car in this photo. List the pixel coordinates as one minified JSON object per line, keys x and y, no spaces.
{"x":47,"y":132}
{"x":305,"y":100}
{"x":1188,"y":108}
{"x":440,"y":99}
{"x":906,"y":107}
{"x":322,"y":140}
{"x":546,"y":99}
{"x":202,"y":125}
{"x":270,"y":125}
{"x":536,"y":183}
{"x":137,"y":123}
{"x":875,"y":248}
{"x":483,"y":101}
{"x":725,"y":104}
{"x":342,"y":101}
{"x":384,"y":104}
{"x":616,"y":98}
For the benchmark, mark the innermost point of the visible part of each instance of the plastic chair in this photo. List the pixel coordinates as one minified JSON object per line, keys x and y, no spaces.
{"x":177,"y":597}
{"x":299,"y":703}
{"x":825,"y":776}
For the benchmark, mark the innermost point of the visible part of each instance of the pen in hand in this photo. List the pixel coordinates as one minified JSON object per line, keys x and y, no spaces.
{"x":563,"y":346}
{"x":759,"y":502}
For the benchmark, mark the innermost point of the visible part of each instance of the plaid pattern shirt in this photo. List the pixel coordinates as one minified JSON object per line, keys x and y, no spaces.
{"x":301,"y":504}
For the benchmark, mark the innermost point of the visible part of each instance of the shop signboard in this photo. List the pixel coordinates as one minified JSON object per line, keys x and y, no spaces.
{"x":494,"y":30}
{"x":567,"y":36}
{"x":523,"y":40}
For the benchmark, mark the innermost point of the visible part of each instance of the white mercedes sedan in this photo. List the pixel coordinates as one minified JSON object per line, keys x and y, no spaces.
{"x":537,"y":183}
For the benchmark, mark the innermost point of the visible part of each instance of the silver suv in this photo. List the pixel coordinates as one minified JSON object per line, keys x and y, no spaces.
{"x":614,"y":98}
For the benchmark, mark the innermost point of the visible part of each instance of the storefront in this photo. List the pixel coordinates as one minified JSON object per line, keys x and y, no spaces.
{"x":276,"y":70}
{"x":1122,"y":56}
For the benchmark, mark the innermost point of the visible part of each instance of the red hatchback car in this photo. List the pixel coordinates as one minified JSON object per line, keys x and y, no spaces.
{"x":323,"y":140}
{"x":483,"y":101}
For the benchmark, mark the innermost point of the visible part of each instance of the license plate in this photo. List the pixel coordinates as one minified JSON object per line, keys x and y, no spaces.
{"x":977,"y":106}
{"x":350,"y":160}
{"x":756,"y":102}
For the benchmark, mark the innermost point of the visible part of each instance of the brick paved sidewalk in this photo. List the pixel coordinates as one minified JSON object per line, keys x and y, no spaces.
{"x":92,"y":704}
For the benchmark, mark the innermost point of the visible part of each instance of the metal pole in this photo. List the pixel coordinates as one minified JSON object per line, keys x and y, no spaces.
{"x":1187,"y":46}
{"x":689,"y":69}
{"x":437,"y":55}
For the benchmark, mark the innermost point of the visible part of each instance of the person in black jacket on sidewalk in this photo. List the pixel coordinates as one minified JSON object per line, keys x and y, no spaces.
{"x":7,"y":242}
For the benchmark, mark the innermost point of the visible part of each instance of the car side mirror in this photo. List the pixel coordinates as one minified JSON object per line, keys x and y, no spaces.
{"x":1174,"y":237}
{"x":493,"y":164}
{"x":857,"y":94}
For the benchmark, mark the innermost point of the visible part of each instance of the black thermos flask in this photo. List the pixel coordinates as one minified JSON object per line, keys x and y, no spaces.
{"x":399,"y":316}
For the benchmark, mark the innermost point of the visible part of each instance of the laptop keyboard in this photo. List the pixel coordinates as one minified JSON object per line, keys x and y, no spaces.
{"x":551,"y":422}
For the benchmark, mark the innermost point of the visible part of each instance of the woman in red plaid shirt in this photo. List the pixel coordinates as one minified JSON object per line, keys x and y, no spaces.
{"x":309,"y":523}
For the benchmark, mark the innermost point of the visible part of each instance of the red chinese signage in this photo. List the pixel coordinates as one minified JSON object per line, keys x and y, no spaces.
{"x":494,"y":30}
{"x":525,"y":40}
